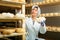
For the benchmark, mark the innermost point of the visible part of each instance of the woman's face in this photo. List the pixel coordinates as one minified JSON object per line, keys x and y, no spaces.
{"x":34,"y":12}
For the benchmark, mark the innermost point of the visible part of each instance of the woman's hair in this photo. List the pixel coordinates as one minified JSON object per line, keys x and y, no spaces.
{"x":35,"y":7}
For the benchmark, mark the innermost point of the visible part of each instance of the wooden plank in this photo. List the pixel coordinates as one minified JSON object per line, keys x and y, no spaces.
{"x":13,"y":34}
{"x":11,"y":4}
{"x":47,"y":15}
{"x":53,"y":28}
{"x":50,"y":14}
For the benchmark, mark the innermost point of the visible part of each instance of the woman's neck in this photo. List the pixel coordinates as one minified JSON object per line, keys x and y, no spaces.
{"x":33,"y":18}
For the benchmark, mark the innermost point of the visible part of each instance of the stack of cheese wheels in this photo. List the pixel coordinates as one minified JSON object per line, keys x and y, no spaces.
{"x":19,"y":30}
{"x":7,"y":31}
{"x":7,"y":15}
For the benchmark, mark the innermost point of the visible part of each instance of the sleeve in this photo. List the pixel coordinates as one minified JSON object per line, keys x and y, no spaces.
{"x":26,"y":20}
{"x":26,"y":25}
{"x":42,"y":28}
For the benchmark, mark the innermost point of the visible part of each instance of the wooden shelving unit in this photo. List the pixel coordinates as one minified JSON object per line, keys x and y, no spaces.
{"x":14,"y":5}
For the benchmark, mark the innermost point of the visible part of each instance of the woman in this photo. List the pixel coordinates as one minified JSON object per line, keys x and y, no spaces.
{"x":33,"y":26}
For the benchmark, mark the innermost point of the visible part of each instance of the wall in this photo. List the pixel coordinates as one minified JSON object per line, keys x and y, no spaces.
{"x":49,"y":9}
{"x":37,"y":0}
{"x":52,"y":21}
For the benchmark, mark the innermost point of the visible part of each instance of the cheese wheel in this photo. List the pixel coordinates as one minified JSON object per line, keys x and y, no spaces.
{"x":43,"y":15}
{"x":47,"y":14}
{"x":58,"y":29}
{"x":56,"y":14}
{"x":8,"y":31}
{"x":19,"y":30}
{"x":51,"y":14}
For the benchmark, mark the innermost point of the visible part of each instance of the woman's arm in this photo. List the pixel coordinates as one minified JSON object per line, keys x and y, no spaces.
{"x":42,"y":25}
{"x":42,"y":28}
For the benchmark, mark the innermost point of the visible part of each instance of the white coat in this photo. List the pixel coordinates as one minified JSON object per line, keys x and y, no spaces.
{"x":33,"y":30}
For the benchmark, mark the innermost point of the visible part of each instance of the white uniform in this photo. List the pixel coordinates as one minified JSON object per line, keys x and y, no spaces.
{"x":33,"y":29}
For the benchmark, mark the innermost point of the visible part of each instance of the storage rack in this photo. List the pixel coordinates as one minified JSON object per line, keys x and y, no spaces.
{"x":14,"y":5}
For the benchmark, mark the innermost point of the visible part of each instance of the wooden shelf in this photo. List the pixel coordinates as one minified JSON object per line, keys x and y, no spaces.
{"x":11,"y":4}
{"x":50,"y":14}
{"x":47,"y":15}
{"x":10,"y":19}
{"x":53,"y":28}
{"x":13,"y":34}
{"x":45,"y":3}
